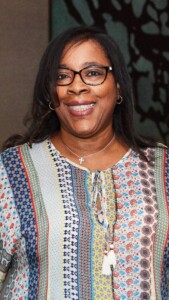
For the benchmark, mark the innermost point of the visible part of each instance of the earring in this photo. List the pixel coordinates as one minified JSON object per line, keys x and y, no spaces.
{"x":50,"y":106}
{"x":119,"y":100}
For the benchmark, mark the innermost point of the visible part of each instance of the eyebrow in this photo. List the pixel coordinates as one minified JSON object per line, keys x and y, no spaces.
{"x":86,"y":64}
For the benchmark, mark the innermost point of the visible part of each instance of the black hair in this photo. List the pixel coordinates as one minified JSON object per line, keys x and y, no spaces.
{"x":43,"y":122}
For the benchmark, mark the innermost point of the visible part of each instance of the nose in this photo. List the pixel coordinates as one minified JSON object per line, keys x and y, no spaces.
{"x":78,"y":86}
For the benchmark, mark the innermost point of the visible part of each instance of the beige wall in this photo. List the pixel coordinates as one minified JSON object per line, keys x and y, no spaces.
{"x":24,"y":34}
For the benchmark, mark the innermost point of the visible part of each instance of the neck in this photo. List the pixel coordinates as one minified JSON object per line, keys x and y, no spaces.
{"x":85,"y":144}
{"x":83,"y":155}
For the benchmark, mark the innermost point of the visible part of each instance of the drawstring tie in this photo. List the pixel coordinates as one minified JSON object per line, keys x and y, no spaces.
{"x":99,"y":204}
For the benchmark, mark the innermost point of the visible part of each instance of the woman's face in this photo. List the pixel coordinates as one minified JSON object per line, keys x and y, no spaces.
{"x":86,"y":110}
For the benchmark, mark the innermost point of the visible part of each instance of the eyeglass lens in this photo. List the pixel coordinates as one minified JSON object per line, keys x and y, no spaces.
{"x":92,"y":75}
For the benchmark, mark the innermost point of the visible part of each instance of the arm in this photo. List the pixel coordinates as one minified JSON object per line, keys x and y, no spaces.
{"x":9,"y":226}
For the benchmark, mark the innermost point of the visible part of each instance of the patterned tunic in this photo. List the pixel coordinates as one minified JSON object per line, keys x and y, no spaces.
{"x":52,"y":241}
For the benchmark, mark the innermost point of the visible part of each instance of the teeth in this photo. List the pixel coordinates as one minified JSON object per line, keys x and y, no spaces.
{"x":81,"y":107}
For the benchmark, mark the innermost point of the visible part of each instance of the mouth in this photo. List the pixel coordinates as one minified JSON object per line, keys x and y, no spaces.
{"x":80,"y":108}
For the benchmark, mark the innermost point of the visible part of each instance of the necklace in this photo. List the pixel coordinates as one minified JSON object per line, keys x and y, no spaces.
{"x":82,"y":158}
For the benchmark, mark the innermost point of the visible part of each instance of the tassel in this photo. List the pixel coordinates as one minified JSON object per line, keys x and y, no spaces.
{"x":111,"y":256}
{"x":106,"y":269}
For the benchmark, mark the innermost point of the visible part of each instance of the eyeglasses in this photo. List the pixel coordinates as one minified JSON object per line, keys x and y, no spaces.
{"x":91,"y":75}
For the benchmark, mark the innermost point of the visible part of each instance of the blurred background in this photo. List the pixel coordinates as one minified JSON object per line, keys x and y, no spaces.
{"x":141,"y":29}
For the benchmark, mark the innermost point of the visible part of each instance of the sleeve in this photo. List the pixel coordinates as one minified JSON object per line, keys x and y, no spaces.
{"x":166,"y":253}
{"x":167,"y":189}
{"x":9,"y":226}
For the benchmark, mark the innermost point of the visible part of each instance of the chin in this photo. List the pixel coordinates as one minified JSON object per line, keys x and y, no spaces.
{"x":87,"y":131}
{"x":83,"y":134}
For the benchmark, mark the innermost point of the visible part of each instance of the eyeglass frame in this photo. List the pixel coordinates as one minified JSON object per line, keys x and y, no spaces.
{"x":107,"y":68}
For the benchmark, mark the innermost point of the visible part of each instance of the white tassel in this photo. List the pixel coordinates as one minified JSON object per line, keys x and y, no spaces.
{"x":106,"y":269}
{"x":112,"y":257}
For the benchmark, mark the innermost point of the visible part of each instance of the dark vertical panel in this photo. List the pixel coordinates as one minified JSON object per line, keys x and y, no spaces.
{"x":141,"y":28}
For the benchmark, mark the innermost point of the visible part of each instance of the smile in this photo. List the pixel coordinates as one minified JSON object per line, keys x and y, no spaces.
{"x":81,"y":107}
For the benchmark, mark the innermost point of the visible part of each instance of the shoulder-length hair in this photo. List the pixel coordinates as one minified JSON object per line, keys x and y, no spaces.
{"x":43,"y":122}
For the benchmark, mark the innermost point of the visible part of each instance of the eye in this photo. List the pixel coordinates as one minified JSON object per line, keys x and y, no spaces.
{"x":94,"y":72}
{"x":63,"y":74}
{"x":60,"y":76}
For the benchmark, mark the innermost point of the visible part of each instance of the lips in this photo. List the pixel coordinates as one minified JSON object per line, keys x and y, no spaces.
{"x":82,"y":107}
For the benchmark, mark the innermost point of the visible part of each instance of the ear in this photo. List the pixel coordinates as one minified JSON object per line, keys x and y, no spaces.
{"x":119,"y":97}
{"x":118,"y":89}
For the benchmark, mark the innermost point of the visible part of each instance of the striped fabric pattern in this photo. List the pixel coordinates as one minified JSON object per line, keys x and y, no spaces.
{"x":52,"y":242}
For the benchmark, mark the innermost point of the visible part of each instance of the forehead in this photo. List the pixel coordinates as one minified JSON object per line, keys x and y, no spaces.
{"x":82,"y":50}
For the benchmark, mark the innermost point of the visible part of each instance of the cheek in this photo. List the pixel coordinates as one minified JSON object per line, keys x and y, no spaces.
{"x":60,"y":111}
{"x":60,"y":93}
{"x":108,"y":96}
{"x":109,"y":90}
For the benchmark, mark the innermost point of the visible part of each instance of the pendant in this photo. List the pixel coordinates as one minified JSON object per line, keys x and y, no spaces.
{"x":81,"y":160}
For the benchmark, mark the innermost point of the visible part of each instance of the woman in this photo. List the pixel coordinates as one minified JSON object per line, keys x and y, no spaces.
{"x":84,"y":202}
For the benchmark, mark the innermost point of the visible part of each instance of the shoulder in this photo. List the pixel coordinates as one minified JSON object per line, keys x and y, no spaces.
{"x":12,"y":152}
{"x":157,"y":152}
{"x":16,"y":152}
{"x":12,"y":159}
{"x":9,"y":156}
{"x":162,"y":152}
{"x":162,"y":166}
